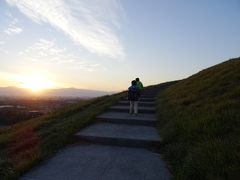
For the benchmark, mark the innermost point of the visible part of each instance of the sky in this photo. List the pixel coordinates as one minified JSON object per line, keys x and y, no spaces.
{"x":105,"y":44}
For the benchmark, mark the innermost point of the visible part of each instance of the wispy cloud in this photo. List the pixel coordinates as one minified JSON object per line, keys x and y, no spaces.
{"x":13,"y":28}
{"x":49,"y":52}
{"x":92,"y":23}
{"x":7,"y":31}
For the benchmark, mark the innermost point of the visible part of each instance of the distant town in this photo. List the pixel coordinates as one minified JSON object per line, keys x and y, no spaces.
{"x":16,"y":109}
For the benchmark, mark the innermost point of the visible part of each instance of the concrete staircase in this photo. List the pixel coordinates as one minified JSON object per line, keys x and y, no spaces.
{"x":118,"y":127}
{"x":116,"y":147}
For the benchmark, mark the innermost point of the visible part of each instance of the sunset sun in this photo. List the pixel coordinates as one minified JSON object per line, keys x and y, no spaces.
{"x":36,"y":83}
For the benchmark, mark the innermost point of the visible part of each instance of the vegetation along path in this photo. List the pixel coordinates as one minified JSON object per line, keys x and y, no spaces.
{"x":118,"y":146}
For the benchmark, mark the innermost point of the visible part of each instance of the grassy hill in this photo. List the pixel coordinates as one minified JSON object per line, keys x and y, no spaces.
{"x":199,"y":119}
{"x":27,"y":143}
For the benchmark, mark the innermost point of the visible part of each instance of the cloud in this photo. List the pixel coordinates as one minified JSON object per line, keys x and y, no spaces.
{"x":91,"y":24}
{"x":48,"y":52}
{"x":13,"y":28}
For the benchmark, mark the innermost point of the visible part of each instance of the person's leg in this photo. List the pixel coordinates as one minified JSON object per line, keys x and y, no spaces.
{"x":131,"y":107}
{"x":135,"y":107}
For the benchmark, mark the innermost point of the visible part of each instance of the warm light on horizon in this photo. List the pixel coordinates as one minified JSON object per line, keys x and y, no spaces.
{"x":36,"y":83}
{"x":82,"y":48}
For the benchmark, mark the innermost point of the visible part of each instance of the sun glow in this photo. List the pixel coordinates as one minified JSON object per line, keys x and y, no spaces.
{"x":36,"y":83}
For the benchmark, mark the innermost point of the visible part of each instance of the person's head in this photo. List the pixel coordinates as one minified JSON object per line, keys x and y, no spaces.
{"x":134,"y":83}
{"x":137,"y":79}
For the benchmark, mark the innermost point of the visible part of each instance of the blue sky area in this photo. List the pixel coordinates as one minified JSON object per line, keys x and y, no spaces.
{"x":104,"y":44}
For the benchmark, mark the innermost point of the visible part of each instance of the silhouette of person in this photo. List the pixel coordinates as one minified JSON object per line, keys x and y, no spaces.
{"x":139,"y":84}
{"x":133,"y":97}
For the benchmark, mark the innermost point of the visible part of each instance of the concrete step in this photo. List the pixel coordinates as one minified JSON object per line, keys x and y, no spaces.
{"x":120,"y":108}
{"x":126,"y":118}
{"x":119,"y":134}
{"x":98,"y":162}
{"x":150,"y":93}
{"x":143,"y":104}
{"x":147,"y":96}
{"x":142,"y":99}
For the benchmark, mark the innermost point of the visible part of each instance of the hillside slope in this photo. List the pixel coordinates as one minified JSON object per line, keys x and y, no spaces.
{"x":199,"y":119}
{"x":27,"y":143}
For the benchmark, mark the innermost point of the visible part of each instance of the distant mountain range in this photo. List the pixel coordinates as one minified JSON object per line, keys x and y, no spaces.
{"x":62,"y":92}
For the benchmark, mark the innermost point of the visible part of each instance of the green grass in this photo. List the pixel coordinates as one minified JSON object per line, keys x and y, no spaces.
{"x":26,"y":144}
{"x":199,"y":120}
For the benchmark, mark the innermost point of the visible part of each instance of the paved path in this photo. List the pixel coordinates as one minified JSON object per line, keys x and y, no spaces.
{"x":116,"y":148}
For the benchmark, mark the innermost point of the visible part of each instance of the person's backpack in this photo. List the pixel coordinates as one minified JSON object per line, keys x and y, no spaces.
{"x":139,"y":85}
{"x":133,"y":94}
